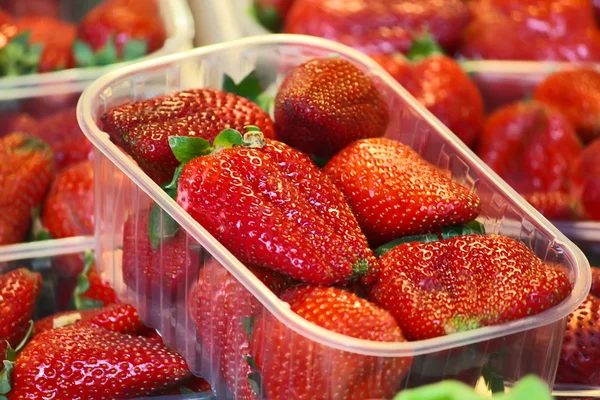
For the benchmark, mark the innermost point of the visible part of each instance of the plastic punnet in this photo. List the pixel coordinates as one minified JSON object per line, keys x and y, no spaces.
{"x":513,"y":350}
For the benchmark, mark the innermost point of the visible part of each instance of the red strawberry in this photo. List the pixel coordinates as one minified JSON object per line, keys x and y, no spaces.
{"x":44,"y":106}
{"x":92,"y":291}
{"x":531,"y":146}
{"x":26,"y":166}
{"x":272,"y":13}
{"x":553,"y":205}
{"x":585,"y":180}
{"x":115,"y":31}
{"x":69,"y":143}
{"x":5,"y":17}
{"x":94,"y":363}
{"x":194,"y":384}
{"x":590,"y":199}
{"x":157,"y":269}
{"x":465,"y":282}
{"x":55,"y":36}
{"x":532,"y":30}
{"x":144,"y":127}
{"x":580,"y":351}
{"x":440,"y":84}
{"x":393,"y":192}
{"x":271,"y":206}
{"x":18,"y":122}
{"x":19,"y":290}
{"x":223,"y":310}
{"x":595,"y":289}
{"x":30,"y":8}
{"x":576,"y":94}
{"x":379,"y":26}
{"x":292,"y":366}
{"x":325,"y":104}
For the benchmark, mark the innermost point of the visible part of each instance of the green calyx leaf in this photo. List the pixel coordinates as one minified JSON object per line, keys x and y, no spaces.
{"x":42,"y":234}
{"x":429,"y":237}
{"x":85,"y":56}
{"x":360,"y":267}
{"x":186,"y":148}
{"x":267,"y":16}
{"x":423,"y":47}
{"x":249,"y":88}
{"x":251,"y":362}
{"x":493,"y":380}
{"x":255,"y":381}
{"x":134,"y":49}
{"x":470,"y":228}
{"x":228,"y":138}
{"x":9,"y":361}
{"x":19,"y":56}
{"x":5,"y":377}
{"x":83,"y":285}
{"x":32,"y":143}
{"x":248,"y":326}
{"x":320,"y":162}
{"x":162,"y":226}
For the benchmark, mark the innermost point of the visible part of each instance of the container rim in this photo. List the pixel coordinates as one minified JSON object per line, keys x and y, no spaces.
{"x":279,"y":308}
{"x":46,"y":248}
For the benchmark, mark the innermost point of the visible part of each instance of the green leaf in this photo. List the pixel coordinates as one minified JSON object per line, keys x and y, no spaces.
{"x":251,"y":362}
{"x":42,"y":234}
{"x":470,"y":228}
{"x":248,"y":325}
{"x":161,"y":227}
{"x":255,"y":381}
{"x":171,"y":187}
{"x":252,"y":128}
{"x":134,"y":49}
{"x":186,"y":148}
{"x":264,"y":101}
{"x":429,"y":237}
{"x":492,"y":378}
{"x":424,"y":47}
{"x":320,"y":162}
{"x":5,"y":376}
{"x":83,"y":53}
{"x":269,"y":17}
{"x":228,"y":138}
{"x":249,"y":88}
{"x":108,"y":54}
{"x":184,"y":390}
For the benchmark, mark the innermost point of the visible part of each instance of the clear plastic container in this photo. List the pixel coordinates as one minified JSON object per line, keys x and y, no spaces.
{"x":515,"y":349}
{"x":179,"y":25}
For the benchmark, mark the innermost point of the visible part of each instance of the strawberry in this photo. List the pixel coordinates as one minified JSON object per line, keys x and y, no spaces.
{"x":590,"y":199}
{"x":18,"y":122}
{"x":31,"y":8}
{"x":439,"y":83}
{"x":116,"y":31}
{"x":325,"y":104}
{"x":224,"y":310}
{"x":553,"y":205}
{"x":292,"y":366}
{"x":19,"y":290}
{"x":595,"y":289}
{"x":157,"y":268}
{"x":581,"y":345}
{"x":531,"y":146}
{"x":94,"y":363}
{"x":44,"y":106}
{"x":272,"y":13}
{"x":143,"y":128}
{"x":270,"y":205}
{"x":5,"y":17}
{"x":92,"y":291}
{"x":532,"y":30}
{"x":379,"y":26}
{"x":195,"y":384}
{"x":26,"y":166}
{"x":122,"y":318}
{"x":575,"y":93}
{"x":393,"y":192}
{"x":465,"y":282}
{"x":585,"y":180}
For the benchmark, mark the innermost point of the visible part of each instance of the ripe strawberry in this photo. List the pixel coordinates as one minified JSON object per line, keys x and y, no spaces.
{"x":553,"y":205}
{"x":272,"y":13}
{"x":576,"y":94}
{"x":19,"y":290}
{"x":595,"y":289}
{"x":115,"y":31}
{"x":590,"y":199}
{"x":92,"y":291}
{"x":379,"y":26}
{"x":292,"y":366}
{"x":531,"y":146}
{"x":44,"y":106}
{"x":143,"y":128}
{"x":110,"y":362}
{"x":157,"y":269}
{"x":393,"y":192}
{"x":26,"y":166}
{"x":5,"y":17}
{"x":581,"y":345}
{"x":306,"y":230}
{"x":18,"y":122}
{"x":440,"y":84}
{"x":224,"y":310}
{"x":463,"y":283}
{"x":585,"y":180}
{"x":325,"y":104}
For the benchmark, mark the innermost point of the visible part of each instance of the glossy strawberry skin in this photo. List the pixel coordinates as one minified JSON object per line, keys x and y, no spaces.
{"x":94,"y":363}
{"x":554,"y":205}
{"x":530,"y":146}
{"x":26,"y":167}
{"x":580,"y":349}
{"x":293,"y":366}
{"x":19,"y":290}
{"x":393,"y":192}
{"x":437,"y":288}
{"x":220,"y":306}
{"x":440,"y":84}
{"x":325,"y":104}
{"x":143,"y":128}
{"x":121,"y":318}
{"x":576,"y":94}
{"x":262,"y":204}
{"x":379,"y":26}
{"x":123,"y":22}
{"x":57,"y":38}
{"x":98,"y":289}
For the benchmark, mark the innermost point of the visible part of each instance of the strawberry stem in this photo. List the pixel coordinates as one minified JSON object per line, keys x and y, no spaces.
{"x":423,"y":47}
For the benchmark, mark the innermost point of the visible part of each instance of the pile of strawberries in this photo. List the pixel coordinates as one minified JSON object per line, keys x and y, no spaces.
{"x":376,"y":243}
{"x":33,"y":39}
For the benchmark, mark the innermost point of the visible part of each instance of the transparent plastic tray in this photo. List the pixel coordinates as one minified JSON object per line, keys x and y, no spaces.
{"x":530,"y":345}
{"x":179,"y":25}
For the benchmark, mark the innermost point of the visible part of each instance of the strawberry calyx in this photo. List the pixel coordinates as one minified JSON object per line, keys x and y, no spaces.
{"x":250,"y":88}
{"x":423,"y":47}
{"x":85,"y":56}
{"x":83,"y":284}
{"x":9,"y":362}
{"x":20,"y":56}
{"x":360,"y":268}
{"x":268,"y":16}
{"x":254,"y":378}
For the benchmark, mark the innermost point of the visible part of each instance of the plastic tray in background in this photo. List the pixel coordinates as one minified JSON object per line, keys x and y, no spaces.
{"x":530,"y":345}
{"x":179,"y":26}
